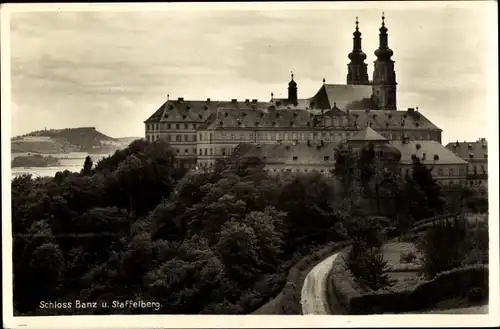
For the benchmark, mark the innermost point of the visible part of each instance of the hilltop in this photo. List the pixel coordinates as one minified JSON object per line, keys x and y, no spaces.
{"x":83,"y":139}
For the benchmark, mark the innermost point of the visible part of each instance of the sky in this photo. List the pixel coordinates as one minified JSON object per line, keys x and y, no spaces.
{"x":91,"y":66}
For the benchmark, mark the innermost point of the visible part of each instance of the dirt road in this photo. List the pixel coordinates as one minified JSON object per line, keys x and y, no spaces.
{"x":313,"y":295}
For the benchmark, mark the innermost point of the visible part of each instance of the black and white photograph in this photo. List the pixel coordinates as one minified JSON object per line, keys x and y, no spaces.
{"x":228,"y":159}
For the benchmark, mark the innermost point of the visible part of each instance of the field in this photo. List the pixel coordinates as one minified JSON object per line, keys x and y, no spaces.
{"x":405,"y":276}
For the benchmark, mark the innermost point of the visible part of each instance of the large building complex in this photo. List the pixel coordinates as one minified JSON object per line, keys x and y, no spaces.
{"x":476,"y":155}
{"x":202,"y":131}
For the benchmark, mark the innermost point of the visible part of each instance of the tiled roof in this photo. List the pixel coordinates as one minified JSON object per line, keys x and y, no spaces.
{"x":155,"y":117}
{"x":250,"y":118}
{"x":340,"y":95}
{"x":378,"y":119}
{"x":197,"y":111}
{"x":301,"y":153}
{"x":478,"y":149}
{"x":367,"y":134}
{"x":284,"y":103}
{"x":430,"y":148}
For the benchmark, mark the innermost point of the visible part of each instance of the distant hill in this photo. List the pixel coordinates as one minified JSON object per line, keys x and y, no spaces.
{"x":83,"y":139}
{"x":35,"y":160}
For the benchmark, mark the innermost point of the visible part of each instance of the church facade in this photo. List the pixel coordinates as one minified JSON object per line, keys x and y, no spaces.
{"x":202,"y":131}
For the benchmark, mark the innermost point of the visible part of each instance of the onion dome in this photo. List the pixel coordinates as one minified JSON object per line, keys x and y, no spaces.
{"x":292,"y":83}
{"x":357,"y":55}
{"x":383,"y":52}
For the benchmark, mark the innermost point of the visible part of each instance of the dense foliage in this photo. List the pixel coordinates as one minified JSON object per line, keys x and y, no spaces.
{"x":449,"y":245}
{"x":135,"y":226}
{"x":130,"y":228}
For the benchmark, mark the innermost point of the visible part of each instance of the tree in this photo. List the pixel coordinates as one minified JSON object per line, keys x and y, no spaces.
{"x":239,"y":252}
{"x":346,"y":167}
{"x":368,"y":268}
{"x":443,"y":248}
{"x":308,"y":201}
{"x":128,"y":175}
{"x":422,"y":176}
{"x":87,"y":166}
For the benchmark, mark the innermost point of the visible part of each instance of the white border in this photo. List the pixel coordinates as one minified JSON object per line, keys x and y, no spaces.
{"x":246,"y":321}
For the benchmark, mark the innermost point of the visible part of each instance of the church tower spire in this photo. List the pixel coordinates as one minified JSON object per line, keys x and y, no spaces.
{"x":384,"y":75}
{"x":357,"y":69}
{"x":292,"y":91}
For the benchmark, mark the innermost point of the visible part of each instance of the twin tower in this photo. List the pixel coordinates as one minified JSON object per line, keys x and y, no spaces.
{"x":384,"y":76}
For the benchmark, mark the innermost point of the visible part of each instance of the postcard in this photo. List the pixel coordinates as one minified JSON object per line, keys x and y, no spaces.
{"x":227,"y":165}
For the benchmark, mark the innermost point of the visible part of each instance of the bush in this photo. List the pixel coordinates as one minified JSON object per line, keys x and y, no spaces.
{"x":470,"y":282}
{"x":342,"y":287}
{"x":368,"y":268}
{"x":451,"y":284}
{"x":408,"y":257}
{"x":442,"y":248}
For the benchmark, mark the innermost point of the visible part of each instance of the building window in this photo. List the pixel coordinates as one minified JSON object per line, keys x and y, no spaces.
{"x":186,"y":137}
{"x":211,"y":151}
{"x":185,"y":151}
{"x":205,"y":152}
{"x":327,"y":158}
{"x":177,"y":150}
{"x":223,"y":151}
{"x":440,"y":172}
{"x":194,"y":151}
{"x":233,"y":136}
{"x":200,"y":152}
{"x":242,"y":136}
{"x":451,"y":172}
{"x":295,"y":158}
{"x":294,"y":136}
{"x":186,"y":126}
{"x":269,"y":136}
{"x":277,"y":136}
{"x":302,"y":136}
{"x":285,"y":136}
{"x":177,"y":138}
{"x":177,"y":126}
{"x":169,"y":125}
{"x":251,"y":135}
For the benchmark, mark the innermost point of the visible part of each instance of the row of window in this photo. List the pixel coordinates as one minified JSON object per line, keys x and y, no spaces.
{"x":163,"y":126}
{"x":204,"y":151}
{"x":174,"y":138}
{"x":479,"y":169}
{"x":251,"y":136}
{"x":440,"y":172}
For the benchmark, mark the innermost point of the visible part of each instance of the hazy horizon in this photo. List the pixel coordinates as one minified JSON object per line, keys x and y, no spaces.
{"x":112,"y":70}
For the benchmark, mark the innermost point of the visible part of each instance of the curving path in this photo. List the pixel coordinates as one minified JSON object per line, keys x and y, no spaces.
{"x":313,"y":294}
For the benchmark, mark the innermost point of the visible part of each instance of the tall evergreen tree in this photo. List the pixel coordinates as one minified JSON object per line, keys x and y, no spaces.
{"x":87,"y":166}
{"x":422,"y":176}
